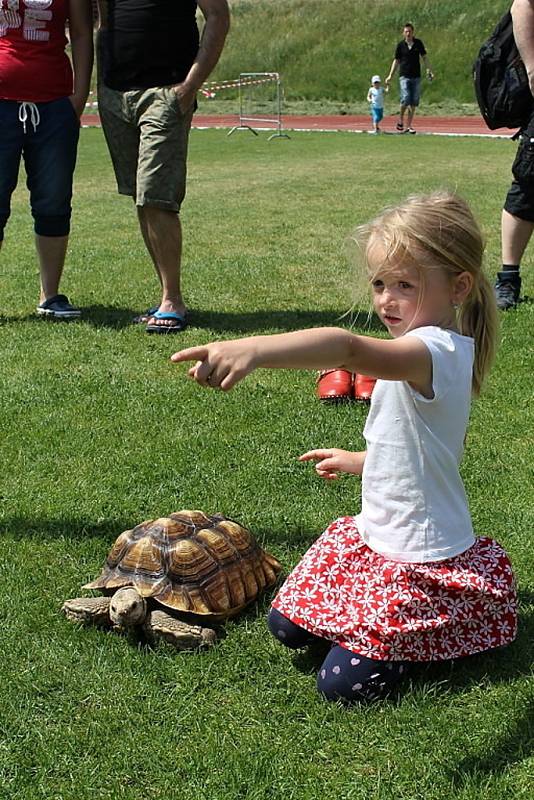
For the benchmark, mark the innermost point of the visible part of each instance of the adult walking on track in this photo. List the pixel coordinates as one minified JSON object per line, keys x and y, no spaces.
{"x":408,"y":54}
{"x":517,"y":222}
{"x":42,"y":97}
{"x":152,"y":62}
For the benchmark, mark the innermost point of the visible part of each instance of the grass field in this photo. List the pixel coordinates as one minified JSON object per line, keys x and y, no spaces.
{"x":100,"y":431}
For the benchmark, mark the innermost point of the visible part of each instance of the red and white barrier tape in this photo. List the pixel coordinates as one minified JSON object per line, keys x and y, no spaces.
{"x":210,"y":89}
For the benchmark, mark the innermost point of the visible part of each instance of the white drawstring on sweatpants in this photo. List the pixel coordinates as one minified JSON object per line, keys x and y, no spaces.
{"x":33,"y":114}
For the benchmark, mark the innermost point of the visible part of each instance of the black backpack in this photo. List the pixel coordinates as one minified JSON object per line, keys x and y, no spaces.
{"x":501,"y":81}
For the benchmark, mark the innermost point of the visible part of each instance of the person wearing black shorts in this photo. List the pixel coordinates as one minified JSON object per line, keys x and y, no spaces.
{"x":517,"y":223}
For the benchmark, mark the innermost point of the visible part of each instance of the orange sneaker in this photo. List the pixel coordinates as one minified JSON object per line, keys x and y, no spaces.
{"x":334,"y":385}
{"x":363,"y":387}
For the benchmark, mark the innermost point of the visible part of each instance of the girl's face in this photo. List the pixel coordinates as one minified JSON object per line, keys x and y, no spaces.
{"x":403,"y":303}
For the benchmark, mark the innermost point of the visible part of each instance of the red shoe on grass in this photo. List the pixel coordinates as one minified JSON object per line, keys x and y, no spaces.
{"x":363,"y":387}
{"x":334,"y":385}
{"x":338,"y":385}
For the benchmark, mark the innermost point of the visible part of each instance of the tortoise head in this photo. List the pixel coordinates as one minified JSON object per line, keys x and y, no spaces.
{"x":127,"y":607}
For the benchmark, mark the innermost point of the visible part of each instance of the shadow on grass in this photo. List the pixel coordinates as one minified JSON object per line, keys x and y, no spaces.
{"x":50,"y":529}
{"x":20,"y":527}
{"x":235,"y":323}
{"x":97,"y":316}
{"x":514,"y":745}
{"x":295,"y":539}
{"x":283,"y":319}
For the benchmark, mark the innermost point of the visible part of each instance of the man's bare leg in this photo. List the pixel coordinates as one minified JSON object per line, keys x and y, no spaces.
{"x":144,"y":316}
{"x":515,"y":236}
{"x":162,"y":232}
{"x":146,"y":239}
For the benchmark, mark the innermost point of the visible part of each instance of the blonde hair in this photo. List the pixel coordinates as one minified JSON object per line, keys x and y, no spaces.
{"x":439,"y":231}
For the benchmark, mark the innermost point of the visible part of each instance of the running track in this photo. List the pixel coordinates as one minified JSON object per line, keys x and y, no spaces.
{"x":445,"y":126}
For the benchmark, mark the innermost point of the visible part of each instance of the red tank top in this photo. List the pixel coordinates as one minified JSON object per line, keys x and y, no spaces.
{"x":33,"y":62}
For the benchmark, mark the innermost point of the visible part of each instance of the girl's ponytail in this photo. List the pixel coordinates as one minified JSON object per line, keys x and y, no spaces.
{"x":478,"y":318}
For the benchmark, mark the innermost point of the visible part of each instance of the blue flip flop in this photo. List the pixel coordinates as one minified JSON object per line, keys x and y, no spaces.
{"x":143,"y":318}
{"x":179,"y":322}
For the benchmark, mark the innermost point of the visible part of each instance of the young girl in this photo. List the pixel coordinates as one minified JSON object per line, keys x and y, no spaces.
{"x":405,"y":580}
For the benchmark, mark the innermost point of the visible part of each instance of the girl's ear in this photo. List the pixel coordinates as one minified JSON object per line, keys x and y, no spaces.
{"x":462,"y":286}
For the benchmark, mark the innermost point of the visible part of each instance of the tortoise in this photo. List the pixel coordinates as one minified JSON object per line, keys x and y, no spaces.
{"x":166,"y":577}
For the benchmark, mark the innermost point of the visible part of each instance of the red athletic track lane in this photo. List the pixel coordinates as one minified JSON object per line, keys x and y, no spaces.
{"x":451,"y":126}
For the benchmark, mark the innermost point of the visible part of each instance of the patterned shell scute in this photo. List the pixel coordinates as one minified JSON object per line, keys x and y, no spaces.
{"x":190,"y":562}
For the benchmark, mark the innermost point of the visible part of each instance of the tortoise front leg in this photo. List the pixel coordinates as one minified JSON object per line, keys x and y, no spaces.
{"x":159,"y":624}
{"x":88,"y":610}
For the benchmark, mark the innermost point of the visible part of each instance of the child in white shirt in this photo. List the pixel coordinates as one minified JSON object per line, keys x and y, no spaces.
{"x":405,"y":580}
{"x":375,"y":96}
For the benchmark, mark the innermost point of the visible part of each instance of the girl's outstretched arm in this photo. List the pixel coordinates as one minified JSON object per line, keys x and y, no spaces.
{"x":222,"y":364}
{"x":331,"y":461}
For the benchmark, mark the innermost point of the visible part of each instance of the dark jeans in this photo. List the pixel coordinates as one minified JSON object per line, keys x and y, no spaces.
{"x":49,"y":153}
{"x":344,"y":675}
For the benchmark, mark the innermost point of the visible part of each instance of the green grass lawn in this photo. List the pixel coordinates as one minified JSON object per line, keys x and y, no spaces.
{"x":100,"y":431}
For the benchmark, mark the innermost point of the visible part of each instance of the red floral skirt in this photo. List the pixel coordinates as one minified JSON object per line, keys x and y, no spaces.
{"x":401,"y":611}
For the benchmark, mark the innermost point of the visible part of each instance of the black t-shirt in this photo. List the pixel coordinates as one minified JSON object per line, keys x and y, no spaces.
{"x":148,"y":43}
{"x":408,"y":57}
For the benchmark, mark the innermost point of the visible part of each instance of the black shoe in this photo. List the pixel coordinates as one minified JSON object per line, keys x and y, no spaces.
{"x":58,"y":307}
{"x":507,"y":288}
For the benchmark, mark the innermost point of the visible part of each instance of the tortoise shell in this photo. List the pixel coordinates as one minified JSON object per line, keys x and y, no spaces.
{"x":192,"y":562}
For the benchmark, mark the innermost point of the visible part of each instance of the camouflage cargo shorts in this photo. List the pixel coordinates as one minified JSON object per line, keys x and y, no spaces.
{"x":147,"y":135}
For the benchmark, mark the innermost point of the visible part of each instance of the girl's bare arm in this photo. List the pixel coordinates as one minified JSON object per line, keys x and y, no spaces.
{"x":223,"y":364}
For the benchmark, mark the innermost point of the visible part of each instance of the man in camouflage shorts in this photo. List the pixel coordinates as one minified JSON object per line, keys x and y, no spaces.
{"x":152,"y":62}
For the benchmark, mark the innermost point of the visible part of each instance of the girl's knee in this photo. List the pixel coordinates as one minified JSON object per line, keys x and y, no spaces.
{"x":351,"y":678}
{"x":287,"y":632}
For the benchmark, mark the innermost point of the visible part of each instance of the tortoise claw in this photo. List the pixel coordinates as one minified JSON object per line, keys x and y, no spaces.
{"x":159,"y":624}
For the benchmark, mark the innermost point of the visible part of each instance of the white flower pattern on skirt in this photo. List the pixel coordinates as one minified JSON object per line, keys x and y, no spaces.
{"x":401,"y":611}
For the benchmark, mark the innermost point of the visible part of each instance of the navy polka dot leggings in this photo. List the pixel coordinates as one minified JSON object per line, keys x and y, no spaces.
{"x":344,"y":675}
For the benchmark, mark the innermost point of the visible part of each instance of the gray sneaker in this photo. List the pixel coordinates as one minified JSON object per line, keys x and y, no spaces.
{"x":507,"y":288}
{"x":58,"y":307}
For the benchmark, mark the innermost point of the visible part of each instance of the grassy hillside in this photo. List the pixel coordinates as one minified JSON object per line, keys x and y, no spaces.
{"x":326,"y":50}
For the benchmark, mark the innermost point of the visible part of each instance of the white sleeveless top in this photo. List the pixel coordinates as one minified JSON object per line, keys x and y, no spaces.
{"x":414,"y":506}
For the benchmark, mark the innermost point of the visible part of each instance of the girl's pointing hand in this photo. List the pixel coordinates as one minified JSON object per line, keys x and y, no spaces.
{"x":219,"y":365}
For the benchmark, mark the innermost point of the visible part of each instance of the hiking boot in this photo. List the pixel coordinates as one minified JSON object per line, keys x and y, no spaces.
{"x":507,"y":288}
